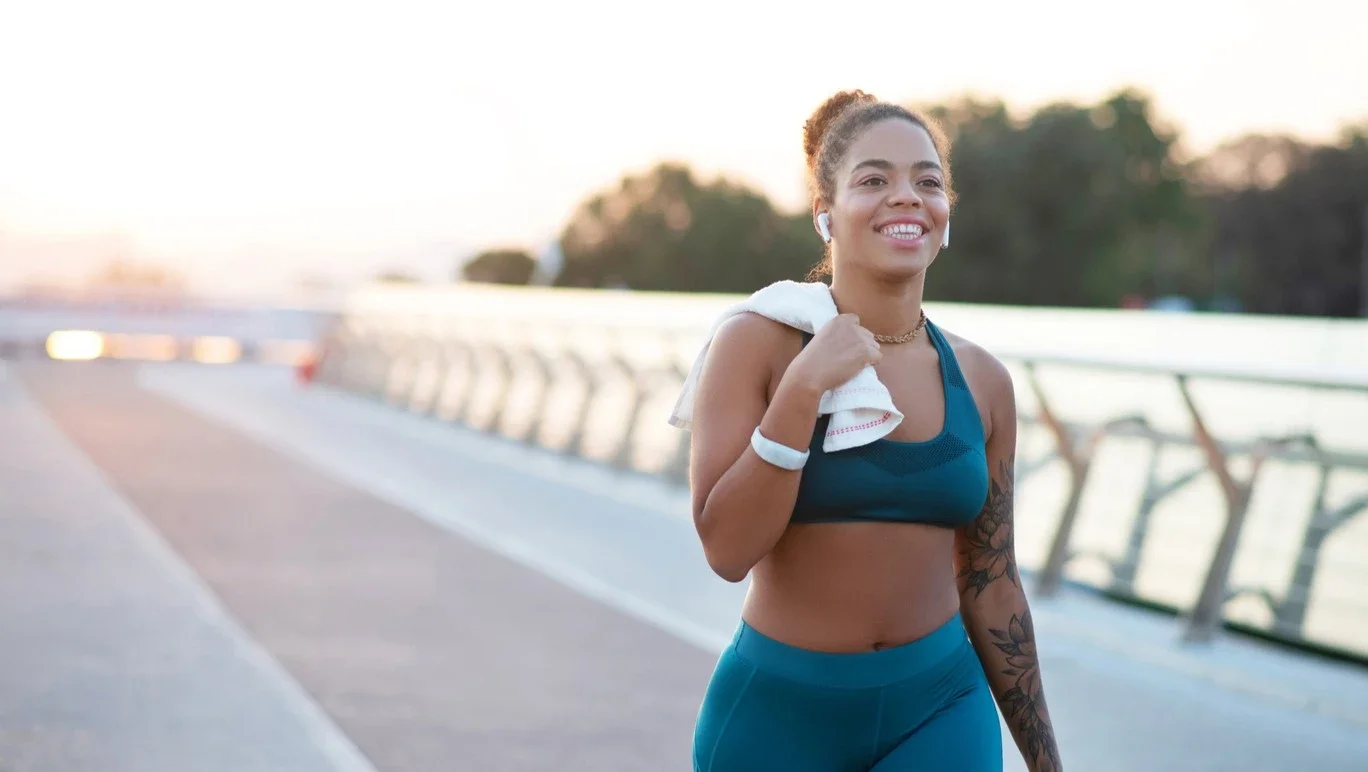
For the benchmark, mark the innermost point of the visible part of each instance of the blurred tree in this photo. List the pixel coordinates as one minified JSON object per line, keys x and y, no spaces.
{"x":663,"y":230}
{"x":500,"y":266}
{"x":1074,"y":205}
{"x":1291,"y":222}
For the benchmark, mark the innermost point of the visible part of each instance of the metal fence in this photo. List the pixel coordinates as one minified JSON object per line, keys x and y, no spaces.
{"x":600,"y":390}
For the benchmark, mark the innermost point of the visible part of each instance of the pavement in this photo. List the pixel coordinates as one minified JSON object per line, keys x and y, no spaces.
{"x":116,"y":655}
{"x":217,"y":569}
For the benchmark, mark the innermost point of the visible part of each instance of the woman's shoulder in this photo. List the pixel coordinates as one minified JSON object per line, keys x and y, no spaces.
{"x":754,"y":337}
{"x":749,"y":348}
{"x":981,"y":368}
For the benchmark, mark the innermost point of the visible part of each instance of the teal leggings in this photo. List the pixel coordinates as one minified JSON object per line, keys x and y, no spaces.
{"x":925,"y":705}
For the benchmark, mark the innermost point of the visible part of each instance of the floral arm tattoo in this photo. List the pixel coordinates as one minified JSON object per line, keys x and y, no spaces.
{"x":1000,"y":625}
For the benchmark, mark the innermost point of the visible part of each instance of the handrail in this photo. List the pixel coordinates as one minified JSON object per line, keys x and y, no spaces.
{"x":474,"y":360}
{"x":1270,"y":374}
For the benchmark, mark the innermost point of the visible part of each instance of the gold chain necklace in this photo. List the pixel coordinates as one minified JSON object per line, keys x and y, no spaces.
{"x":905,"y":337}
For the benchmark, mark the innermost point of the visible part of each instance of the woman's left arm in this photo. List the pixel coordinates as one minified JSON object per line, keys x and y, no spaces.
{"x":992,"y":599}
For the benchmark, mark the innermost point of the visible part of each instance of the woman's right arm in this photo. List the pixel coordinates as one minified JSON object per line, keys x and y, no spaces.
{"x":741,"y":503}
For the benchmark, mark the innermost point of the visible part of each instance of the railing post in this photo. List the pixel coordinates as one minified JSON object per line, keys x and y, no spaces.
{"x":462,"y":371}
{"x":1123,"y":571}
{"x":434,"y":375}
{"x":1079,"y":457}
{"x":1052,"y":572}
{"x":1290,"y":613}
{"x":677,"y":468}
{"x":1207,"y":612}
{"x":506,"y":372}
{"x":546,"y":370}
{"x":641,"y":393}
{"x":427,"y":373}
{"x":404,"y":368}
{"x":593,"y":381}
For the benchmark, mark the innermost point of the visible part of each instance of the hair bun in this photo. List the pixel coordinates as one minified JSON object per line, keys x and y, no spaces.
{"x":816,"y":126}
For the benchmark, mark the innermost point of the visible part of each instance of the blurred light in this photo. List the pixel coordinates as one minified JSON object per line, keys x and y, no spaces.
{"x":121,"y":346}
{"x":215,"y":350}
{"x":286,"y":352}
{"x":75,"y":345}
{"x":156,"y":348}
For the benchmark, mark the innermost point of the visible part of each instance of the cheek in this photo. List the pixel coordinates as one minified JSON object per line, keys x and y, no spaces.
{"x":859,"y":212}
{"x":940,"y":209}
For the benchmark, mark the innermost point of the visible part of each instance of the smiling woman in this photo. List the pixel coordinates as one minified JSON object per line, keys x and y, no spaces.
{"x":885,"y":616}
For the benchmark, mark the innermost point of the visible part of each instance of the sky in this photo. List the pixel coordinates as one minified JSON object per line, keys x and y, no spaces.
{"x":255,"y":143}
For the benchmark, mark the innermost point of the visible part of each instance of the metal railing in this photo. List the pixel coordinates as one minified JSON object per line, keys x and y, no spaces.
{"x":1076,"y":446}
{"x":437,"y":367}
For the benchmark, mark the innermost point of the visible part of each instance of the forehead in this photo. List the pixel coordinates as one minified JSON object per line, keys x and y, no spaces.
{"x":895,"y":140}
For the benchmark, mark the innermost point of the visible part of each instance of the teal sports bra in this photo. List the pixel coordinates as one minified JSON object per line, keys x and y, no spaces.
{"x":942,"y":481}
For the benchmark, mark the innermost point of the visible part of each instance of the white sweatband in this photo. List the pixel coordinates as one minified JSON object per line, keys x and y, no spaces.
{"x":781,"y":456}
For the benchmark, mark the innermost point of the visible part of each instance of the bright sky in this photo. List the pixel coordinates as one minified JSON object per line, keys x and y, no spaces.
{"x":253,"y":142}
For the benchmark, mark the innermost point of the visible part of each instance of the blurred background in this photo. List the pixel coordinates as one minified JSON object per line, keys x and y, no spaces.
{"x":336,"y":345}
{"x":1207,"y":155}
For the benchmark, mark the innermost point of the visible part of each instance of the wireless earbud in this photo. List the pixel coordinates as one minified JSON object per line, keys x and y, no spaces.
{"x":945,"y":240}
{"x":824,"y":226}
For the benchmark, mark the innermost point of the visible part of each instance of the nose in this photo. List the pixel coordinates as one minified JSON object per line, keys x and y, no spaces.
{"x":904,"y":193}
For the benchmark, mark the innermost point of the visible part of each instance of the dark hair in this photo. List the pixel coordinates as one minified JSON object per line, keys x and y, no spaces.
{"x":837,"y":123}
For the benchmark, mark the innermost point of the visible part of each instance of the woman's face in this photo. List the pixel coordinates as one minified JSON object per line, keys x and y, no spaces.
{"x":891,"y":207}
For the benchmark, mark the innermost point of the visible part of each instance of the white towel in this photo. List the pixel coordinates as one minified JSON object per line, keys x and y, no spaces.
{"x":861,"y":409}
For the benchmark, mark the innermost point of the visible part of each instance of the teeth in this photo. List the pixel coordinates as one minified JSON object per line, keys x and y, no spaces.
{"x":903,"y":230}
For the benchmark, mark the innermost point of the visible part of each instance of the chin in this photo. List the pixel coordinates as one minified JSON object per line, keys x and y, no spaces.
{"x":904,"y":266}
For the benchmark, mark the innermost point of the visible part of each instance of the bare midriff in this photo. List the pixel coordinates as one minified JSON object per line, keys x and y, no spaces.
{"x":854,"y":587}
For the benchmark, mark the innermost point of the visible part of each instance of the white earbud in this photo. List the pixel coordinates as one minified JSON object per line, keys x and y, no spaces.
{"x":945,"y":240}
{"x":824,"y":226}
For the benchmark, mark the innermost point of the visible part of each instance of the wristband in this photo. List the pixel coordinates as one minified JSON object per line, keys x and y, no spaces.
{"x":781,"y":456}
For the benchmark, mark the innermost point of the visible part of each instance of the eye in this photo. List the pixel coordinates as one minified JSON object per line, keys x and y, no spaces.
{"x":872,"y":181}
{"x":933,"y":182}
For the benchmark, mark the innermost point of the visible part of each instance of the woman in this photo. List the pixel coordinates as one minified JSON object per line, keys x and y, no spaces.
{"x":884,"y":614}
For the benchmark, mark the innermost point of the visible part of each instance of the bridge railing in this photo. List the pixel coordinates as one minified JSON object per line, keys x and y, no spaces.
{"x":1150,"y":471}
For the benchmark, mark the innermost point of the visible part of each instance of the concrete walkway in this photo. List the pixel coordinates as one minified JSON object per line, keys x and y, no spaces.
{"x":114,"y":656}
{"x":427,"y":651}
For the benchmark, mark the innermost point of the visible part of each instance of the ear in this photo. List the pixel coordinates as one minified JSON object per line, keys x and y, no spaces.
{"x":821,"y":220}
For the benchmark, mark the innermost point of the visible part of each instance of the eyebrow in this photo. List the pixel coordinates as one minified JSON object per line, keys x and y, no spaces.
{"x":879,"y":163}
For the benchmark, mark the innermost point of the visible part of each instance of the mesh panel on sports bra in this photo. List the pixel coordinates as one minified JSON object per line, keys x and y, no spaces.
{"x":901,"y":459}
{"x":954,"y":377}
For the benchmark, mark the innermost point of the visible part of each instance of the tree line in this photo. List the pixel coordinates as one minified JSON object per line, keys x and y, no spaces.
{"x":1072,"y":205}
